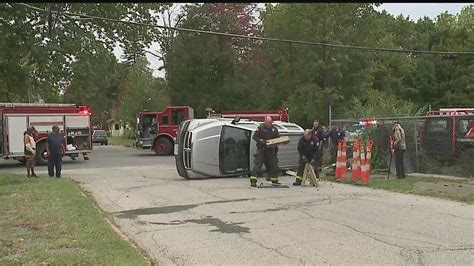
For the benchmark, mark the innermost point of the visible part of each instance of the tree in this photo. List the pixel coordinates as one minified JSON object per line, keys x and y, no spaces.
{"x":48,"y":42}
{"x":95,"y":83}
{"x":215,"y":71}
{"x":375,"y":103}
{"x":140,"y":91}
{"x":308,"y":78}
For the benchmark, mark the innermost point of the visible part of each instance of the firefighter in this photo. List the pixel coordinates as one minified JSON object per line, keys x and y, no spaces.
{"x":30,"y":151}
{"x":55,"y":148}
{"x":318,"y":132}
{"x":265,"y":155}
{"x":399,"y":148}
{"x":308,"y":148}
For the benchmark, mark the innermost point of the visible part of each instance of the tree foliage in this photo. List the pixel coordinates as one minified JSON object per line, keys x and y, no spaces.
{"x":140,"y":91}
{"x":54,"y":57}
{"x":43,"y":45}
{"x":214,"y":71}
{"x":95,"y":83}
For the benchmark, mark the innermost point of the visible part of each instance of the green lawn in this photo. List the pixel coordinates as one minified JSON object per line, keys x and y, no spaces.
{"x":458,"y":190}
{"x":51,"y":221}
{"x":121,"y":141}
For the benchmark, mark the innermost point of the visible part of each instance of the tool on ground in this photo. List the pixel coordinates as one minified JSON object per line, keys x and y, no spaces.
{"x":309,"y":175}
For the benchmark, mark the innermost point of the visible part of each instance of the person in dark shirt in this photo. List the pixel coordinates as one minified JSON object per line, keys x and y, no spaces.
{"x":55,"y":148}
{"x":335,"y":135}
{"x":308,"y":148}
{"x":318,"y":133}
{"x":325,"y":135}
{"x":265,"y":155}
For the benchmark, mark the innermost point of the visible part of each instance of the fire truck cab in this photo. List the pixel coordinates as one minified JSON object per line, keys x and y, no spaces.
{"x":73,"y":122}
{"x":449,"y":131}
{"x":157,"y":130}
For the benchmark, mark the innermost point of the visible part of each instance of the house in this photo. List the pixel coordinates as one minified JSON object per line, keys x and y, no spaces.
{"x":116,"y":128}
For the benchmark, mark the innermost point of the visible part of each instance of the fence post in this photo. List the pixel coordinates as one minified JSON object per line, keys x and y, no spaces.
{"x":416,"y":148}
{"x":329,"y":115}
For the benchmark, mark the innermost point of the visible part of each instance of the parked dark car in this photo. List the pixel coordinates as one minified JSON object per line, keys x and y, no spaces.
{"x":100,"y":136}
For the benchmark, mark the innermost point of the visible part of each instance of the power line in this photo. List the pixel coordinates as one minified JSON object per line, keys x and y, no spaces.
{"x":334,"y":46}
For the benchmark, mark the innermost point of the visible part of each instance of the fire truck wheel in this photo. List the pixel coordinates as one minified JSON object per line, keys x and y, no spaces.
{"x":163,"y":146}
{"x":41,"y":154}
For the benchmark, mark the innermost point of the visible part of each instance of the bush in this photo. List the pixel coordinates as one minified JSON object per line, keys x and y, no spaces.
{"x":129,"y":134}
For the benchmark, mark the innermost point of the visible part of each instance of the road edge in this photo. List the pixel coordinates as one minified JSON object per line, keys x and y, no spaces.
{"x":111,"y":221}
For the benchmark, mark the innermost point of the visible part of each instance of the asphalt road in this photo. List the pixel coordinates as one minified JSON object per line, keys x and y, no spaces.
{"x":101,"y":157}
{"x":224,"y":221}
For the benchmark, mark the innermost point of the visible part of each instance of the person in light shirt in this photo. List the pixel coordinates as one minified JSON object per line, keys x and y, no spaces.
{"x":30,"y":151}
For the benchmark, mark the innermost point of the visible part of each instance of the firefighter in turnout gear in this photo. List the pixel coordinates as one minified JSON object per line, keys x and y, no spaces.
{"x":318,"y":132}
{"x":265,"y":155}
{"x":308,"y":148}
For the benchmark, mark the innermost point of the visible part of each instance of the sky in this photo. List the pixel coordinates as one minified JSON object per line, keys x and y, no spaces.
{"x":413,"y":10}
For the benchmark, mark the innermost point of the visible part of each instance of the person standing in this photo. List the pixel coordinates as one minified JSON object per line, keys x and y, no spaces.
{"x":30,"y":151}
{"x":265,"y":155}
{"x":335,"y":135}
{"x":325,"y":135}
{"x":400,"y":147}
{"x":308,"y":148}
{"x":317,"y":132}
{"x":55,"y":148}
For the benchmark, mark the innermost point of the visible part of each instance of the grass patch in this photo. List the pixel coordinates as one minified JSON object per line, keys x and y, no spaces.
{"x":51,"y":221}
{"x":121,"y":141}
{"x":458,"y":190}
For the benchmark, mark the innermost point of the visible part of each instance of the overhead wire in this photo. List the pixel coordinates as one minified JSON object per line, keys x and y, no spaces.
{"x":334,"y":46}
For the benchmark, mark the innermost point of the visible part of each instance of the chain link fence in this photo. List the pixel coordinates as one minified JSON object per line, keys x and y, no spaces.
{"x":437,"y":145}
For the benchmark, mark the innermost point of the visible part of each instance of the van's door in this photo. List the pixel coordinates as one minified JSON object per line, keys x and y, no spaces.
{"x":16,"y":126}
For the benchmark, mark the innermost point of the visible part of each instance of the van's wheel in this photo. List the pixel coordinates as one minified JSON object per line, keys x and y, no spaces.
{"x":22,"y":161}
{"x":41,"y":154}
{"x":163,"y":146}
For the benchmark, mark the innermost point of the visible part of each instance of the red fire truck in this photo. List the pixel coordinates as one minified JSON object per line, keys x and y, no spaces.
{"x":276,"y":115}
{"x":448,"y":132}
{"x":157,"y":130}
{"x":74,"y":122}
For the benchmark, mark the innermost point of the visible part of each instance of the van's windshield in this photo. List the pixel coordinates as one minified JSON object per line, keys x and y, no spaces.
{"x":234,"y":150}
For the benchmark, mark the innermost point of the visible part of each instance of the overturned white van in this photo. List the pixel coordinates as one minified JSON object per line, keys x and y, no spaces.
{"x":223,"y":147}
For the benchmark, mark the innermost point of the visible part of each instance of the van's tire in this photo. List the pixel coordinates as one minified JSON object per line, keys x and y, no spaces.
{"x":22,"y":160}
{"x":41,"y":154}
{"x":163,"y":146}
